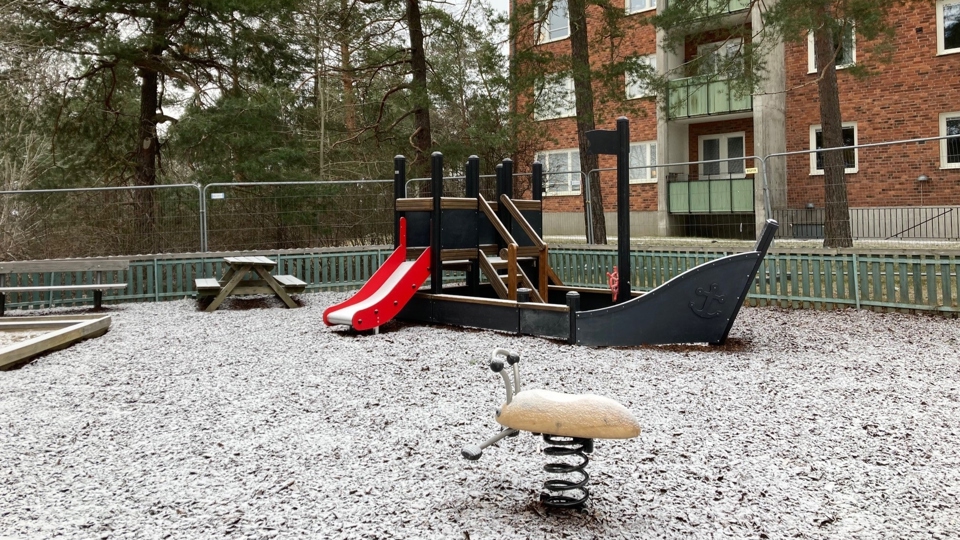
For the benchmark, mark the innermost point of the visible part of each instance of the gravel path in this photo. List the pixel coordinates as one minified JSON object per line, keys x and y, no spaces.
{"x":263,"y":423}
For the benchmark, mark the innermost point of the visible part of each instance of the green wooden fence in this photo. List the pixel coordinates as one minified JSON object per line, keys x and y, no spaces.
{"x":916,"y":281}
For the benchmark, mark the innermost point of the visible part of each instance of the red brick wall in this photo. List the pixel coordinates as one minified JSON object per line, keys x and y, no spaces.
{"x":638,"y":39}
{"x":903,"y":101}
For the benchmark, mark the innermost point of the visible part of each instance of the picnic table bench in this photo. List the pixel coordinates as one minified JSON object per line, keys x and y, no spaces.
{"x":236,"y":281}
{"x":52,"y":266}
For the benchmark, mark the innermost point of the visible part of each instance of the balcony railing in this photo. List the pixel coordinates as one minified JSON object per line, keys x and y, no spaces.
{"x":700,"y":96}
{"x":709,"y":195}
{"x":722,"y":6}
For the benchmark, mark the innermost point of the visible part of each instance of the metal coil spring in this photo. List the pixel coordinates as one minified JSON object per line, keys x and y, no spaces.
{"x":566,"y":493}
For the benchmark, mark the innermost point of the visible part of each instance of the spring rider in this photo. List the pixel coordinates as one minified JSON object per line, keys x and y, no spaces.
{"x":568,"y":422}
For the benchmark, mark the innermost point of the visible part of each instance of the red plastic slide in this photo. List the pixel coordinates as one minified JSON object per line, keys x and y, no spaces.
{"x":386,"y":292}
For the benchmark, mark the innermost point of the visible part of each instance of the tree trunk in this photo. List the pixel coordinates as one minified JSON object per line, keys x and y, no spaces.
{"x":836,"y":231}
{"x":421,"y":140}
{"x":346,"y":77}
{"x":583,"y":92}
{"x":147,"y":156}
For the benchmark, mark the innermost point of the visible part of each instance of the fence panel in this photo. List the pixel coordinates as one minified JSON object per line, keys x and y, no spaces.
{"x":94,"y":222}
{"x":298,"y":215}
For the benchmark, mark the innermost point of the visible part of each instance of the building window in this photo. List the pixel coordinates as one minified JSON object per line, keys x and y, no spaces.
{"x":643,"y":162}
{"x":950,"y":148}
{"x":948,"y":26}
{"x":636,"y":82}
{"x":849,"y":155}
{"x":556,"y":25}
{"x":636,"y":6}
{"x":846,"y":53}
{"x":725,"y":149}
{"x":555,"y":99}
{"x":721,"y":58}
{"x":561,"y":171}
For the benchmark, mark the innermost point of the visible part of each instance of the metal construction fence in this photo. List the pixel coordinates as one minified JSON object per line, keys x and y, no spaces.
{"x":95,"y":222}
{"x":897,"y":191}
{"x":916,"y":282}
{"x":894,"y":190}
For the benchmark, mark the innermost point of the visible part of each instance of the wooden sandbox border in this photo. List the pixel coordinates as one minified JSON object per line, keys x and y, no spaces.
{"x":60,"y":331}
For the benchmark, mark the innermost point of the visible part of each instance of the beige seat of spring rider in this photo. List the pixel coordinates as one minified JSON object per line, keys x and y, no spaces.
{"x":568,"y":421}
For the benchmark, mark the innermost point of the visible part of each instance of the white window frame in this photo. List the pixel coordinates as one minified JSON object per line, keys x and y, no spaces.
{"x":572,"y":170}
{"x":647,"y":6}
{"x":645,"y":153}
{"x":544,"y":30}
{"x":812,"y":56}
{"x":637,"y":88}
{"x":943,"y":142}
{"x":814,"y":171}
{"x":724,"y":165}
{"x":556,"y":99}
{"x":941,"y":27}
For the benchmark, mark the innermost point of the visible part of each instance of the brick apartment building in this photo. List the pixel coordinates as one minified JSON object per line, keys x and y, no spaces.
{"x":890,"y":188}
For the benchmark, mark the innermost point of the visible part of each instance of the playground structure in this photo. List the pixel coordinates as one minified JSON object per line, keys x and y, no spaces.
{"x":569,"y":423}
{"x":502,"y":241}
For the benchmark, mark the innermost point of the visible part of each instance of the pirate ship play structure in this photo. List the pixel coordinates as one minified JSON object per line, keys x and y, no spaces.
{"x":502,"y":241}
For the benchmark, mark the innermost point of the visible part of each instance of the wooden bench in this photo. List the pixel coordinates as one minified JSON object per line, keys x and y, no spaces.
{"x":52,"y":266}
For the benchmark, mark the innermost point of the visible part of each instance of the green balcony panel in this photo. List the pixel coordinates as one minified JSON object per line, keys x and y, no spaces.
{"x":695,"y":96}
{"x":699,"y":197}
{"x":718,"y":94}
{"x":679,"y":195}
{"x":720,"y":196}
{"x":729,"y":6}
{"x":723,"y":6}
{"x":742,"y":195}
{"x":711,"y":196}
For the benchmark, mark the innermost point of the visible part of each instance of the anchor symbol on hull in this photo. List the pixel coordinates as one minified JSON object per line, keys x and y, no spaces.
{"x":712,"y":294}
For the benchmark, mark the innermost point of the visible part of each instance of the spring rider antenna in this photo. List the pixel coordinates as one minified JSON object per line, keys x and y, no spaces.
{"x":568,"y":422}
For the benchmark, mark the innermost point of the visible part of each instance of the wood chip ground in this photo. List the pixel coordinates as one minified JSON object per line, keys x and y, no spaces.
{"x":264,"y":423}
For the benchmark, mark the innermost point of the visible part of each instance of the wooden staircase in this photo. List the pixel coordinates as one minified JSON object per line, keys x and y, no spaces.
{"x":504,"y":271}
{"x":512,"y":276}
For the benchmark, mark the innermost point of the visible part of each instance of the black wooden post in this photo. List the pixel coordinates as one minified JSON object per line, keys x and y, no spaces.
{"x":436,"y":186}
{"x":505,"y":187}
{"x":499,"y":170}
{"x":573,"y":304}
{"x":399,"y":192}
{"x":537,"y":183}
{"x":473,"y":189}
{"x":473,"y":177}
{"x":618,"y":143}
{"x":623,"y":208}
{"x":523,"y":295}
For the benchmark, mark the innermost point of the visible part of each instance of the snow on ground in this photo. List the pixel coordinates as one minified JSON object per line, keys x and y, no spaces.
{"x":263,"y":423}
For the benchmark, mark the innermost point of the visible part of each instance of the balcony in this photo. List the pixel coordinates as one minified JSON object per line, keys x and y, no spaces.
{"x":709,"y":196}
{"x":722,"y":6}
{"x":699,"y":96}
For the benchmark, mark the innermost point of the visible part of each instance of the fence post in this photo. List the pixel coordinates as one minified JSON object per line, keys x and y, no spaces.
{"x":399,"y":192}
{"x":436,"y":261}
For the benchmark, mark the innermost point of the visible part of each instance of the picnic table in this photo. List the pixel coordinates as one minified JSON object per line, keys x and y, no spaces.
{"x":249,"y":275}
